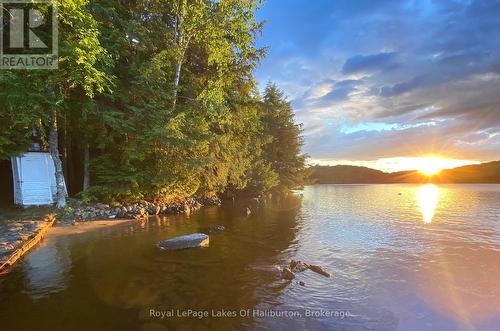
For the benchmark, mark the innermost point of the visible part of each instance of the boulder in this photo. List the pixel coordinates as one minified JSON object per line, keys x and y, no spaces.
{"x":153,"y":209}
{"x":187,"y":241}
{"x":141,"y":214}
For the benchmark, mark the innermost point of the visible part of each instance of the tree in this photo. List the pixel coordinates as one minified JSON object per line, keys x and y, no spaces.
{"x":45,"y":93}
{"x":157,"y":100}
{"x":284,"y":150}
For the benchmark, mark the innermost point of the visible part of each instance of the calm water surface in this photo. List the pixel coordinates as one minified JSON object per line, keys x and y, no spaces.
{"x":402,"y":257}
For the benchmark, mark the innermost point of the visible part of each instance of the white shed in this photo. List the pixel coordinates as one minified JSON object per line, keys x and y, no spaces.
{"x":34,"y":179}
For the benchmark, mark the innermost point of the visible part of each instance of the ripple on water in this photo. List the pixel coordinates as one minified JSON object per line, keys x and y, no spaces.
{"x":390,"y":269}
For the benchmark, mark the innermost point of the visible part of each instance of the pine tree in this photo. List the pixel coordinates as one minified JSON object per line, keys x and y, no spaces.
{"x":284,"y":150}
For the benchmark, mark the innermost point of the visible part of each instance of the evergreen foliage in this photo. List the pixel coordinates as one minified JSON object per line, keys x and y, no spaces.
{"x":163,"y":93}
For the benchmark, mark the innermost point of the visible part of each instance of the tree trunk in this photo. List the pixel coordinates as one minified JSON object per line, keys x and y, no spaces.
{"x":86,"y":173}
{"x":179,"y":36}
{"x":177,"y":78}
{"x":54,"y":152}
{"x":65,"y":147}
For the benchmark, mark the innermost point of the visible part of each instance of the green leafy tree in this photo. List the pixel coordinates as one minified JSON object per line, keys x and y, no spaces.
{"x":45,"y":93}
{"x":156,"y":99}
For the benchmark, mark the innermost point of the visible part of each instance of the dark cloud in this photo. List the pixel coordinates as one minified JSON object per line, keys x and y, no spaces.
{"x":339,"y":92}
{"x":400,"y":88}
{"x":368,"y":63}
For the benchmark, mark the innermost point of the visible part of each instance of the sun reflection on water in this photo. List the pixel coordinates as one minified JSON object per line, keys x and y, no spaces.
{"x":428,"y":197}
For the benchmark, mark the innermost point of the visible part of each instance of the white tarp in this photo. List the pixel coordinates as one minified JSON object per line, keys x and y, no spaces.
{"x":34,"y":179}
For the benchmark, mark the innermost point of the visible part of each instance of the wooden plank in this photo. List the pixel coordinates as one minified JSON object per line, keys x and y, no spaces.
{"x":6,"y":265}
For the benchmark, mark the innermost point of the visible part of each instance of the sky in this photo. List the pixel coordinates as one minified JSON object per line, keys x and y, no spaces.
{"x":378,"y":83}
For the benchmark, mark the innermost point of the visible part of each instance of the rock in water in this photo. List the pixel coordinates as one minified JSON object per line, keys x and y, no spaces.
{"x":286,"y":273}
{"x":187,"y":241}
{"x":298,"y":266}
{"x":209,"y":229}
{"x":219,"y":228}
{"x":319,"y":270}
{"x":246,"y":211}
{"x":255,"y":201}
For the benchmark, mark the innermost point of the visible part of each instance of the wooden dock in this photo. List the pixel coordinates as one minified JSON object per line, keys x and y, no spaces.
{"x":6,"y":265}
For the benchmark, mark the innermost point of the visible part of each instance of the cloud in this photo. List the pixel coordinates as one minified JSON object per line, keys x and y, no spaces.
{"x":403,"y":87}
{"x":369,"y":63}
{"x":394,"y":65}
{"x":327,"y":93}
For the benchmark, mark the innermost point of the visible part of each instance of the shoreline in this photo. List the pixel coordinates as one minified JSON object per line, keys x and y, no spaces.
{"x":18,"y":237}
{"x":85,"y":218}
{"x":84,"y":227}
{"x":80,"y":212}
{"x":21,"y":243}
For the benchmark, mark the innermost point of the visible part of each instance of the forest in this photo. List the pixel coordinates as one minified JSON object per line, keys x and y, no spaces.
{"x":488,"y":172}
{"x":155,"y":99}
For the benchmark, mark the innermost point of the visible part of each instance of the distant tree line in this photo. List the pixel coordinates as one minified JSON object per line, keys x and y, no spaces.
{"x":155,"y":98}
{"x":488,"y":172}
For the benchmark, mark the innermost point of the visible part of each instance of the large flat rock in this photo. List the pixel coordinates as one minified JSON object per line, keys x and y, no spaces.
{"x":182,"y":242}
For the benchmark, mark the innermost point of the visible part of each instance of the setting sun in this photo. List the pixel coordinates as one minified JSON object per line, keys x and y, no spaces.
{"x":430,"y":166}
{"x":430,"y":169}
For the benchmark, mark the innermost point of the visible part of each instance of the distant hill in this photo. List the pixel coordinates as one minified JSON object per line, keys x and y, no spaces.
{"x":344,"y":174}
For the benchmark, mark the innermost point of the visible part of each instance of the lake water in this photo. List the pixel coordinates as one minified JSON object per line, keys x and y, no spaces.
{"x":402,"y":257}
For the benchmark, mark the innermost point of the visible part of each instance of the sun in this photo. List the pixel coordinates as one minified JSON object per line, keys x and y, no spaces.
{"x":430,"y":166}
{"x":430,"y":170}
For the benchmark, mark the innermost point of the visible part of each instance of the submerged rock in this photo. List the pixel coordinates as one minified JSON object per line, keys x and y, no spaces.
{"x":319,"y":270}
{"x":187,"y":241}
{"x":212,"y":229}
{"x":298,"y":265}
{"x":219,"y":228}
{"x":286,"y":273}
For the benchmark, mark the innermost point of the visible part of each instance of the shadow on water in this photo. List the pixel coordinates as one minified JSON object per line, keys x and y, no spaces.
{"x":112,"y":278}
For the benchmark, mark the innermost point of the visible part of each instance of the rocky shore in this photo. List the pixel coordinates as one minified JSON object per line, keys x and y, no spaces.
{"x":14,"y":236}
{"x":80,"y":212}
